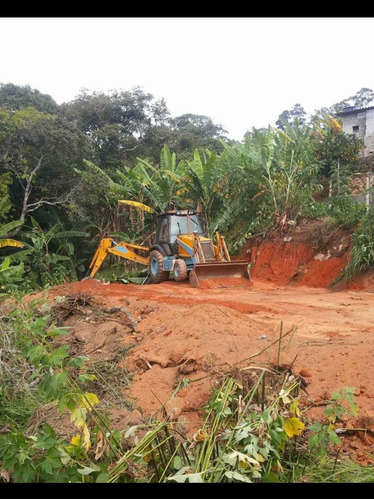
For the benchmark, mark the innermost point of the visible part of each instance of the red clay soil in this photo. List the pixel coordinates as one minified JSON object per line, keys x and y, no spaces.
{"x":176,"y":333}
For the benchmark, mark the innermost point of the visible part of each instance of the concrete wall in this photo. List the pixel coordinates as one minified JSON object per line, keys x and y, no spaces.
{"x":369,"y":139}
{"x":364,"y":120}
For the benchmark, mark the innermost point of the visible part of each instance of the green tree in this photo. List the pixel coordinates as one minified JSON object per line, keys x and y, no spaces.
{"x":272,"y":181}
{"x":160,"y":186}
{"x":360,"y":99}
{"x":191,"y":132}
{"x":39,"y":151}
{"x":116,"y":123}
{"x":363,"y":98}
{"x":296,"y":114}
{"x":5,"y":201}
{"x":334,"y":149}
{"x":15,"y":97}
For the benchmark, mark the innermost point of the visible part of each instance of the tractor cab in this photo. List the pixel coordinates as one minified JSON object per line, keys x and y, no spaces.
{"x":172,"y":224}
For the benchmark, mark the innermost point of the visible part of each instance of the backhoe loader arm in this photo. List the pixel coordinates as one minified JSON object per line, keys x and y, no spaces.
{"x":122,"y":249}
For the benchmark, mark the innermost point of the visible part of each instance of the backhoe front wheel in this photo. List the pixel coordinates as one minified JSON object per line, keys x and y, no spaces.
{"x":156,"y":273}
{"x":180,"y":270}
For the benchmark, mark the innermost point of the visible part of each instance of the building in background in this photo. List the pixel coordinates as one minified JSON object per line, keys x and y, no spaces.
{"x":360,"y":122}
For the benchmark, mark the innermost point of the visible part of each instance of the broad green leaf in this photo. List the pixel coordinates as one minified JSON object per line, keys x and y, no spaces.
{"x":192,"y":478}
{"x":6,"y":228}
{"x":35,"y":353}
{"x":238,"y":476}
{"x":5,"y":265}
{"x":64,"y":457}
{"x":59,"y":354}
{"x":266,"y":417}
{"x":102,"y":477}
{"x":243,"y":433}
{"x":78,"y":361}
{"x":316,"y":427}
{"x":333,"y":438}
{"x":243,"y":460}
{"x":177,"y":463}
{"x":85,"y":377}
{"x":313,"y":441}
{"x":270,"y":477}
{"x":49,"y":464}
{"x":22,"y":457}
{"x":57,"y":380}
{"x":88,"y":470}
{"x":45,"y":441}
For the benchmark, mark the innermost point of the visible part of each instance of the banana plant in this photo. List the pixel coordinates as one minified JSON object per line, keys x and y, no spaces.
{"x":295,"y":170}
{"x":50,"y":254}
{"x":242,"y":194}
{"x":10,"y":276}
{"x":204,"y":182}
{"x":162,"y":185}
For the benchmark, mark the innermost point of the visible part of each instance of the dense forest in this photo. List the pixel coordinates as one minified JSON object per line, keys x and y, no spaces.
{"x":63,"y":170}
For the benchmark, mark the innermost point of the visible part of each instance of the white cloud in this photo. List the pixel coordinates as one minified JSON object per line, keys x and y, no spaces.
{"x":241,"y":72}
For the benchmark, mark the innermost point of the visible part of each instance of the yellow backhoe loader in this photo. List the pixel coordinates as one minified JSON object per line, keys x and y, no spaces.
{"x":180,"y":248}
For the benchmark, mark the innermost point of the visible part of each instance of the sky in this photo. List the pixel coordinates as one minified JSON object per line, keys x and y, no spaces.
{"x":242,"y":72}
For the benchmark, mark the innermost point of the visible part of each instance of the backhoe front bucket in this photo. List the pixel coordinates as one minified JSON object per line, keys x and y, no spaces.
{"x":220,"y":274}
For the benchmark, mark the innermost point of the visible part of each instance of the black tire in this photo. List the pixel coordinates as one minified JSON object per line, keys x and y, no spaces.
{"x":180,"y":270}
{"x":156,"y":274}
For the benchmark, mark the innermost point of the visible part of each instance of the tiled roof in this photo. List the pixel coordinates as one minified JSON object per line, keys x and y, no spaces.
{"x":352,"y":109}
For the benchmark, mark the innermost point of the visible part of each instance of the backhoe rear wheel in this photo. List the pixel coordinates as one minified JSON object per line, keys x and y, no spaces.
{"x":156,"y":274}
{"x":180,"y":270}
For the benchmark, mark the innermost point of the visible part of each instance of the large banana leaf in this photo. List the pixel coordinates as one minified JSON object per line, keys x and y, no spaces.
{"x":6,"y":228}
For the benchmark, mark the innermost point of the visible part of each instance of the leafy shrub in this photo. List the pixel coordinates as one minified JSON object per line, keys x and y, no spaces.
{"x":362,"y":253}
{"x":346,"y":211}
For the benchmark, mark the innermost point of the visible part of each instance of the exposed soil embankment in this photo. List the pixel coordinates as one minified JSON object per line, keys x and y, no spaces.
{"x":309,"y":254}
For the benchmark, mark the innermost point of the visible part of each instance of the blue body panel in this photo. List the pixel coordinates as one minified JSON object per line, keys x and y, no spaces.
{"x":168,"y":263}
{"x":121,"y":249}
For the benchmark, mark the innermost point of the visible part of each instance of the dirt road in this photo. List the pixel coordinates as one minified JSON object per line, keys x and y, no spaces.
{"x":183,"y":339}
